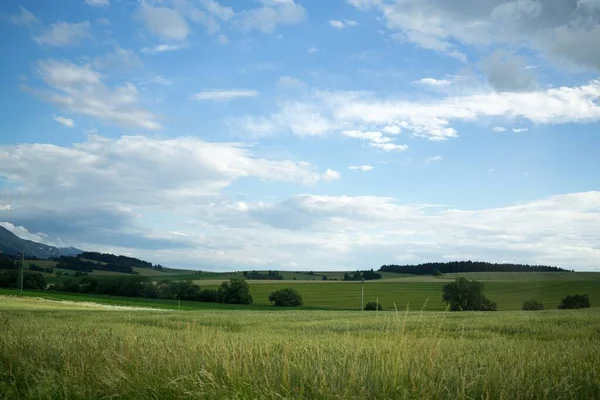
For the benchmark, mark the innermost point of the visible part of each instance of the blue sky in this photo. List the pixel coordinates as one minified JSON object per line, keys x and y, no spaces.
{"x":229,"y":135}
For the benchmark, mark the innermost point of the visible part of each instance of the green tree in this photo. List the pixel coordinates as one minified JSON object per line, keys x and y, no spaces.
{"x":373,"y":306}
{"x":236,"y":291}
{"x":532,"y":305}
{"x":286,"y":298}
{"x":574,"y":301}
{"x":466,"y":295}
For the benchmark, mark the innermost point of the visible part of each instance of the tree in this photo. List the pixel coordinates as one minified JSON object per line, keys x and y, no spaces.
{"x":236,"y":291}
{"x":373,"y":306}
{"x":532,"y":305}
{"x":31,"y":280}
{"x":574,"y":301}
{"x":286,"y":298}
{"x":466,"y":295}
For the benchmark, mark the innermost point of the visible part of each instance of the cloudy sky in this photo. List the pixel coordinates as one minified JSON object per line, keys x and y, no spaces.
{"x":304,"y":134}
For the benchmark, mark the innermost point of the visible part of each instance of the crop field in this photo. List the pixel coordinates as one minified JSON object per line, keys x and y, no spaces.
{"x":140,"y":354}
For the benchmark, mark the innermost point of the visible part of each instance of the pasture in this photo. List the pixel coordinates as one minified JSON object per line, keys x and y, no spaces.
{"x":140,"y":354}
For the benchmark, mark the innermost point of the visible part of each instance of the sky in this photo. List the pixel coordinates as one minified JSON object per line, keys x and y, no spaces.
{"x":304,"y":134}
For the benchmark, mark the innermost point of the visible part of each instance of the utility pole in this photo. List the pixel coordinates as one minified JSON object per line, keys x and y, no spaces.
{"x":362,"y":295}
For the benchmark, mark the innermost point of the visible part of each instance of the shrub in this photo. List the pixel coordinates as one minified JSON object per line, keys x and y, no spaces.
{"x":286,"y":298}
{"x":236,"y":291}
{"x":466,"y":295}
{"x":574,"y":301}
{"x":373,"y":306}
{"x":532,"y":305}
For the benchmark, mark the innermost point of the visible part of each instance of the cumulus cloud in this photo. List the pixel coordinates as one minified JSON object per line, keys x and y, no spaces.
{"x":508,"y":72}
{"x":163,"y":22}
{"x":565,"y":31}
{"x":375,"y":139}
{"x":224,"y":94}
{"x":272,"y":14}
{"x":498,"y":129}
{"x":79,"y":89}
{"x":336,"y":24}
{"x":63,"y":34}
{"x":519,"y":130}
{"x":68,"y":122}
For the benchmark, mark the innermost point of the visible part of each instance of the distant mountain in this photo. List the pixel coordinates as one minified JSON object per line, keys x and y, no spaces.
{"x":11,"y":244}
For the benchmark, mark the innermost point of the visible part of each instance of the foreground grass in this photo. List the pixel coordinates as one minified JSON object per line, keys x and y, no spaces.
{"x":76,"y":354}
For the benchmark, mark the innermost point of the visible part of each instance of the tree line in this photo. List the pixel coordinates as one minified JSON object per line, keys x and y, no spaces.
{"x":270,"y":275}
{"x":360,"y":275}
{"x":436,"y":268}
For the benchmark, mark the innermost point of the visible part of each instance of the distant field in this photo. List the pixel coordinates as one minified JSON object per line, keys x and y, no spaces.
{"x":346,"y":295}
{"x":527,"y":276}
{"x":66,"y":351}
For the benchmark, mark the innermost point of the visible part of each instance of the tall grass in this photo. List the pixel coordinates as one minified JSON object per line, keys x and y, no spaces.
{"x":76,"y":354}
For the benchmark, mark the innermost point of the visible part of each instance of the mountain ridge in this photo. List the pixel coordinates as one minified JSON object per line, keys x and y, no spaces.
{"x":11,"y":244}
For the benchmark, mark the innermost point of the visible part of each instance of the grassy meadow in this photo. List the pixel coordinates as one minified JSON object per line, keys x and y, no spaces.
{"x":66,"y":351}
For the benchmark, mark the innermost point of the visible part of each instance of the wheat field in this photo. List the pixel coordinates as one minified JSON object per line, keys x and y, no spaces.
{"x":65,"y":351}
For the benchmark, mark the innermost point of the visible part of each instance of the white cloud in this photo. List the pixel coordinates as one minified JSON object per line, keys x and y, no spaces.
{"x":79,"y":89}
{"x":224,"y":94}
{"x":433,"y":159}
{"x":163,"y":22}
{"x":289,"y":81}
{"x":350,"y":22}
{"x":518,"y":130}
{"x":98,"y":3}
{"x":312,"y":50}
{"x":136,"y":170}
{"x":223,"y":39}
{"x":433,"y":82}
{"x":363,"y":168}
{"x":62,"y":34}
{"x":331,"y":175}
{"x":266,"y":19}
{"x":392,"y":130}
{"x":24,"y":18}
{"x":389,"y":146}
{"x":566,"y":32}
{"x":5,"y":207}
{"x":162,"y":48}
{"x":498,"y":129}
{"x":68,"y":122}
{"x":333,"y":111}
{"x":336,"y":24}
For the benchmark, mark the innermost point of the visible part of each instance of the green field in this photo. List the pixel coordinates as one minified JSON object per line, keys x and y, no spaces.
{"x":347,"y":295}
{"x":84,"y":353}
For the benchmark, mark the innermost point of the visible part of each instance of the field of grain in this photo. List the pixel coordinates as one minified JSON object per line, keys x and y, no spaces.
{"x":101,"y":354}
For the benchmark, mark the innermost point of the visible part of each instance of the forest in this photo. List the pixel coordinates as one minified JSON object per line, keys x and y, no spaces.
{"x":437,"y":268}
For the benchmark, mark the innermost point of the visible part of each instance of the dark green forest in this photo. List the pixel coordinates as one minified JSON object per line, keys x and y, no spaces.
{"x":436,"y":268}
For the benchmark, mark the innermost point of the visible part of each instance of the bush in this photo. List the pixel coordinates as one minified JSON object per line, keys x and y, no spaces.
{"x":373,"y":306}
{"x":286,"y":298}
{"x":466,"y":295}
{"x":236,"y":291}
{"x":532,"y":305}
{"x":574,"y":301}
